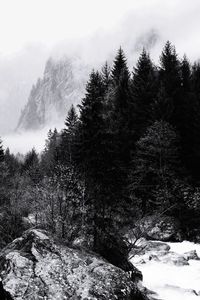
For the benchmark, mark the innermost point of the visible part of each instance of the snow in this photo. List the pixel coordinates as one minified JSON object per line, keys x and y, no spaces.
{"x":168,"y":280}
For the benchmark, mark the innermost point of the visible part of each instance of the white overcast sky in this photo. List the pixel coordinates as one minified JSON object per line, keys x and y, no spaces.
{"x":47,"y":22}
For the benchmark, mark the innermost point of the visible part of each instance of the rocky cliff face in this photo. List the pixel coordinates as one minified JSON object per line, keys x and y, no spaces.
{"x":34,"y":267}
{"x":62,"y":84}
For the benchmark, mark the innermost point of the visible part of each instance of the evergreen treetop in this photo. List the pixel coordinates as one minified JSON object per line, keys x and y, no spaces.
{"x":120,"y":67}
{"x":71,"y":120}
{"x":1,"y":152}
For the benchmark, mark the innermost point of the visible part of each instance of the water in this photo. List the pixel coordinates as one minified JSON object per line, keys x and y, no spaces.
{"x":169,"y":281}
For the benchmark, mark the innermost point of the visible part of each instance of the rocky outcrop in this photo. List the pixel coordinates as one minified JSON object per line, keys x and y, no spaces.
{"x":62,"y":85}
{"x":161,"y":252}
{"x":162,"y":228}
{"x":155,"y":246}
{"x":173,"y":258}
{"x":191,"y":255}
{"x":34,"y":267}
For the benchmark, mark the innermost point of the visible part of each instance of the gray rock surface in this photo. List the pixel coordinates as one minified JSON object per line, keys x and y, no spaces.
{"x":155,"y":246}
{"x":62,"y":85}
{"x":174,"y":259}
{"x":160,"y":252}
{"x":162,"y":228}
{"x":191,"y":255}
{"x":34,"y":267}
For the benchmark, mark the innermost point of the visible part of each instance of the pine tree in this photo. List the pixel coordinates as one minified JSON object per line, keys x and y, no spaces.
{"x":50,"y":155}
{"x":91,"y":150}
{"x":170,"y":69}
{"x":71,"y":121}
{"x":118,"y":139}
{"x":190,"y":126}
{"x":155,"y":168}
{"x":91,"y":124}
{"x":30,"y":159}
{"x":196,"y":80}
{"x":12,"y":163}
{"x":68,"y":137}
{"x":162,"y":106}
{"x":3,"y":177}
{"x":185,"y":74}
{"x":144,"y":86}
{"x":183,"y":110}
{"x":120,"y":68}
{"x":1,"y":152}
{"x":121,"y":110}
{"x":106,"y":76}
{"x":186,"y":114}
{"x":171,"y":79}
{"x":31,"y":166}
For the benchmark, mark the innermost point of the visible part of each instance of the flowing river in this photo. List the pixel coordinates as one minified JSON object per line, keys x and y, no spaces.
{"x":169,"y":273}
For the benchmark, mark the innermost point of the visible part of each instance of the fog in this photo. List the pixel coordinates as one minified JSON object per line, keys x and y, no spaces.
{"x":24,"y":142}
{"x":91,"y":30}
{"x":17,"y":74}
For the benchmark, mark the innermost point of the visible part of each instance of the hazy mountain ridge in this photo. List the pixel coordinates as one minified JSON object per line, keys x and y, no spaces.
{"x":63,"y":84}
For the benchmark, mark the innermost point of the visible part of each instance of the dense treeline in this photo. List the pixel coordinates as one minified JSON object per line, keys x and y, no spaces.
{"x":132,"y":150}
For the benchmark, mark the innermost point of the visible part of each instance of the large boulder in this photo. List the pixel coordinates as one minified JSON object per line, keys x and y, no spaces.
{"x":155,"y":246}
{"x":34,"y":267}
{"x":162,"y":228}
{"x":173,"y":258}
{"x":160,"y":252}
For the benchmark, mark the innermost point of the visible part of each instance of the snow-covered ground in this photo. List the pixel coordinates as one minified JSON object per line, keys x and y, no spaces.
{"x":169,"y":280}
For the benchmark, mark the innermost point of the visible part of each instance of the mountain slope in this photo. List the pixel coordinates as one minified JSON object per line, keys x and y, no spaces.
{"x":50,"y":98}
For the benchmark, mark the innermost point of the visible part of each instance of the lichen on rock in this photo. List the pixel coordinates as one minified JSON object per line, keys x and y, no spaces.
{"x":35,"y":267}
